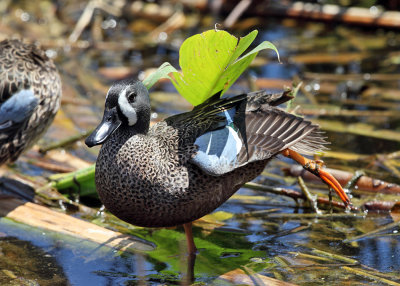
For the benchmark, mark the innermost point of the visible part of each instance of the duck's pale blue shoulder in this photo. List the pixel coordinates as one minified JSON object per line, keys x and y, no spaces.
{"x":18,"y":107}
{"x":218,"y":150}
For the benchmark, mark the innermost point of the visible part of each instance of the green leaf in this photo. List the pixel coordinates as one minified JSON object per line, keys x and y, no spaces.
{"x":82,"y":180}
{"x":162,"y":72}
{"x":210,"y":64}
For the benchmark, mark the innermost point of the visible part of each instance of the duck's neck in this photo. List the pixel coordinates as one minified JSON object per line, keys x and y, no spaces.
{"x":123,"y":133}
{"x":142,"y":124}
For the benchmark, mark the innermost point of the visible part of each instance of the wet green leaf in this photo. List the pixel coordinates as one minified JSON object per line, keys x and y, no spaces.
{"x":82,"y":180}
{"x":162,"y":72}
{"x":210,"y":64}
{"x":218,"y":216}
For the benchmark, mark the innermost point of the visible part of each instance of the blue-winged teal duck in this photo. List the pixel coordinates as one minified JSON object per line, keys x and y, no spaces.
{"x":184,"y":167}
{"x":30,"y":92}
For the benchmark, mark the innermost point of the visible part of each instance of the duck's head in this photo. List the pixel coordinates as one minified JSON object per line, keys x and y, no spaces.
{"x":127,"y":106}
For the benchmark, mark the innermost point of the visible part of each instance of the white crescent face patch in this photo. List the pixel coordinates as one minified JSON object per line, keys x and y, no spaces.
{"x":126,"y":108}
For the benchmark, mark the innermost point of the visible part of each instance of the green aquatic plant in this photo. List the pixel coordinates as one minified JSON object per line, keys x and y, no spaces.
{"x":210,"y":64}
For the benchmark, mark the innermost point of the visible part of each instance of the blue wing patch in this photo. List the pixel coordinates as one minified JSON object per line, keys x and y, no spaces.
{"x":17,"y":109}
{"x":218,"y":150}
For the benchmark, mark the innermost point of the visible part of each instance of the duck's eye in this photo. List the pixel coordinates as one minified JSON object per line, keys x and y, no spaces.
{"x":131,"y":97}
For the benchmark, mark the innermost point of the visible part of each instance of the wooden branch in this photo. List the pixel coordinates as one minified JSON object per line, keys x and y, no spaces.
{"x":42,"y":217}
{"x":351,"y":15}
{"x":364,"y":183}
{"x":239,"y":276}
{"x":236,"y":13}
{"x":296,"y":195}
{"x":309,"y":11}
{"x":345,"y":77}
{"x":64,"y":142}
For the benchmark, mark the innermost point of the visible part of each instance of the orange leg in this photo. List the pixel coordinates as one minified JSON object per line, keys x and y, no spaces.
{"x":189,"y":238}
{"x":315,"y":167}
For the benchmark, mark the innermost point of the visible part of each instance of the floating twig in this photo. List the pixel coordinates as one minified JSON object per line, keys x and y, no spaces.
{"x":370,"y":276}
{"x":310,"y":256}
{"x":51,"y":167}
{"x":87,"y":15}
{"x":322,"y":111}
{"x":175,"y":22}
{"x":64,"y":142}
{"x":345,"y":77}
{"x":353,"y":180}
{"x":259,"y":213}
{"x":312,"y":199}
{"x":385,"y":206}
{"x":373,"y":232}
{"x":239,"y":9}
{"x":335,"y":256}
{"x":358,"y":129}
{"x":310,"y":96}
{"x":311,"y":215}
{"x":294,"y":195}
{"x":364,"y":183}
{"x":45,"y":218}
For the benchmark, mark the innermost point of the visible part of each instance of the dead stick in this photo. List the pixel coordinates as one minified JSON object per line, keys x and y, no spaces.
{"x":295,"y":195}
{"x":344,"y":77}
{"x":365,"y":183}
{"x":349,"y":113}
{"x":52,"y":167}
{"x":84,"y":21}
{"x":380,"y":205}
{"x":360,"y":16}
{"x":236,"y":13}
{"x":64,"y":142}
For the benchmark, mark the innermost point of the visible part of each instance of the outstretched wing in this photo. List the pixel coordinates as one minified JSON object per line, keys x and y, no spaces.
{"x":271,"y":130}
{"x":230,"y":133}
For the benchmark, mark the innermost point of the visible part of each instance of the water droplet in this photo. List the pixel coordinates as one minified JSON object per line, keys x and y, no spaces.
{"x":141,"y":75}
{"x":162,"y":36}
{"x":374,"y":10}
{"x":109,"y":24}
{"x":25,"y":17}
{"x":339,"y":70}
{"x":367,"y":76}
{"x":51,"y":54}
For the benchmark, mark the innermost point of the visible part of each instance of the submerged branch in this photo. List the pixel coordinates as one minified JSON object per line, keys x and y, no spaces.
{"x":370,"y":276}
{"x":364,"y":183}
{"x":374,"y":232}
{"x":294,"y":195}
{"x":311,"y":198}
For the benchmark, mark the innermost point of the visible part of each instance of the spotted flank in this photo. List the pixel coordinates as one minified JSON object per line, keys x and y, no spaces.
{"x":30,"y":91}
